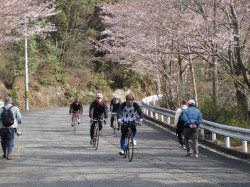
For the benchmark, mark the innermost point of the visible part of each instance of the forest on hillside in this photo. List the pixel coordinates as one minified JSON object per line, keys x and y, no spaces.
{"x":62,"y":63}
{"x":180,"y":48}
{"x":193,"y":49}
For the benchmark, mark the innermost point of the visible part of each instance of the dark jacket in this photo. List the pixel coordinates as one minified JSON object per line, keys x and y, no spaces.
{"x":74,"y":108}
{"x":114,"y":106}
{"x":98,"y":111}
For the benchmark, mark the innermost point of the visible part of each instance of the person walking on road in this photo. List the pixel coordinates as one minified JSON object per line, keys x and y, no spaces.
{"x":97,"y":110}
{"x":179,"y":123}
{"x":8,"y":124}
{"x":193,"y":118}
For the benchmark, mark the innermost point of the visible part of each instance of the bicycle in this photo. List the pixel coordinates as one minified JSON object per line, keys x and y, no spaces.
{"x":96,"y":135}
{"x":129,"y":141}
{"x":75,"y":120}
{"x":115,"y":123}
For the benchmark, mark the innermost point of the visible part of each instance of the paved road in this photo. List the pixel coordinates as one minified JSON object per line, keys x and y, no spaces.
{"x":50,"y":154}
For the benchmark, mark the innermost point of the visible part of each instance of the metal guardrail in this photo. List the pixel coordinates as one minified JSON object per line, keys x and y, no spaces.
{"x":165,"y":115}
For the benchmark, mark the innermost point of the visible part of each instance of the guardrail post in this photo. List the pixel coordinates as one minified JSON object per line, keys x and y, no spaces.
{"x":228,"y":142}
{"x":213,"y":136}
{"x":147,"y":112}
{"x":168,"y":120}
{"x":162,"y":118}
{"x":151,"y":114}
{"x":202,"y":133}
{"x":156,"y":116}
{"x":244,"y":146}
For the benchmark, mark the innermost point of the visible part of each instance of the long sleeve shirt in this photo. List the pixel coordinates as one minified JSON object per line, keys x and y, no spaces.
{"x":192,"y":115}
{"x":17,"y":116}
{"x":128,"y":113}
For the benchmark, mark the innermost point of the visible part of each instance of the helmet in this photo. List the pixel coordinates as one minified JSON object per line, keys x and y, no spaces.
{"x":115,"y":97}
{"x":130,"y":97}
{"x":76,"y":100}
{"x":99,"y":95}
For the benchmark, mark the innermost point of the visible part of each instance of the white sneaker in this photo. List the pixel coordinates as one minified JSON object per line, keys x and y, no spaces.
{"x":91,"y":142}
{"x":18,"y":133}
{"x":134,"y":142}
{"x":121,"y":152}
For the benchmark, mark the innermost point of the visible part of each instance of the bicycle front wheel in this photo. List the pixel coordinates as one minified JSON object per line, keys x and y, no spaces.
{"x":74,"y":122}
{"x":97,"y":133}
{"x":115,"y":126}
{"x":130,"y":148}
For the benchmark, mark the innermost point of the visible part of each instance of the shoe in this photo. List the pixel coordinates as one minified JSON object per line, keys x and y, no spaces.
{"x":4,"y":156}
{"x":8,"y":155}
{"x":134,"y":142}
{"x":91,"y":142}
{"x":78,"y":122}
{"x":18,"y":133}
{"x":184,"y":147}
{"x":100,"y":132}
{"x":118,"y":129}
{"x":121,"y":152}
{"x":196,"y":155}
{"x":188,"y":154}
{"x":72,"y":124}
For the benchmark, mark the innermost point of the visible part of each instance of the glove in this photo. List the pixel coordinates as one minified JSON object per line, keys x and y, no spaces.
{"x":140,"y":122}
{"x":120,"y":121}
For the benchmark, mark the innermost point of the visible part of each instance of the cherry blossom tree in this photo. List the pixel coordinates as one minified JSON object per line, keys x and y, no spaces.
{"x":19,"y":18}
{"x":153,"y":35}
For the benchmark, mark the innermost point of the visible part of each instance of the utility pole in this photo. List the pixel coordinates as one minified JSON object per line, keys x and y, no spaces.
{"x":26,"y":70}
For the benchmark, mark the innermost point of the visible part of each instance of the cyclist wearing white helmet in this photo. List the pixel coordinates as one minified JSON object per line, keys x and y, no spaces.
{"x":127,"y":113}
{"x":114,"y":105}
{"x":75,"y":107}
{"x":98,"y":110}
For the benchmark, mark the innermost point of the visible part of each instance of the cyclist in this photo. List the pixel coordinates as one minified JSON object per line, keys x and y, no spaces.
{"x":127,"y":113}
{"x":97,"y":110}
{"x":75,"y":106}
{"x":114,"y":105}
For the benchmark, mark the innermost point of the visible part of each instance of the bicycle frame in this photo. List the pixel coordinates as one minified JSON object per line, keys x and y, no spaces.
{"x":129,"y":141}
{"x":96,"y":135}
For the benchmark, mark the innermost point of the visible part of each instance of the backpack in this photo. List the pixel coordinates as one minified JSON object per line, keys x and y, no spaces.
{"x":7,"y":117}
{"x":181,"y":122}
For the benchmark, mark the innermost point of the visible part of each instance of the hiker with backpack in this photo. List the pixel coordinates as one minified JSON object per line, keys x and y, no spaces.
{"x":179,"y":123}
{"x":10,"y":116}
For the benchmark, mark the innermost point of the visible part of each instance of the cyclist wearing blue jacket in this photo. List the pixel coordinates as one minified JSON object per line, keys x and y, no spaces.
{"x":193,"y":118}
{"x":127,"y":113}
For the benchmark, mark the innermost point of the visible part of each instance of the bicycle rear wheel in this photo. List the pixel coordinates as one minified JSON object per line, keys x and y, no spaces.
{"x":130,"y":148}
{"x":97,"y":132}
